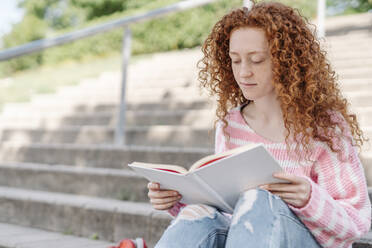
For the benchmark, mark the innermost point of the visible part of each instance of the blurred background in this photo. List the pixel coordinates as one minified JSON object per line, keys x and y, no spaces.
{"x":23,"y":21}
{"x":68,"y":126}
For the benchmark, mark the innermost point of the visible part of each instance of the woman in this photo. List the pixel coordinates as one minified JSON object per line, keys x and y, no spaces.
{"x":275,"y":87}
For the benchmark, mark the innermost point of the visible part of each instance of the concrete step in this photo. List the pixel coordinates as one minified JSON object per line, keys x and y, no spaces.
{"x":349,"y":39}
{"x":337,"y":56}
{"x":348,"y":55}
{"x":136,"y":80}
{"x":359,"y":98}
{"x":351,"y":63}
{"x":181,"y":136}
{"x":360,"y":84}
{"x":99,"y":182}
{"x":367,"y":131}
{"x":361,"y":30}
{"x":101,"y":156}
{"x":355,"y":73}
{"x":108,"y":219}
{"x":340,"y":47}
{"x":347,"y":42}
{"x":68,"y":107}
{"x":195,"y":118}
{"x":364,"y":115}
{"x":13,"y":236}
{"x":108,"y":96}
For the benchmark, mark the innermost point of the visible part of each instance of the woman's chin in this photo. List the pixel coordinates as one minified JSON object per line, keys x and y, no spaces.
{"x":250,"y":97}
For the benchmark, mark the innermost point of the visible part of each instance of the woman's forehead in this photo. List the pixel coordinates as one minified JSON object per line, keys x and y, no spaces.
{"x":248,"y":40}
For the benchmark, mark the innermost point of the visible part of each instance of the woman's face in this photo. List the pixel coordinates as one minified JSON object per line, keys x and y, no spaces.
{"x":251,"y":62}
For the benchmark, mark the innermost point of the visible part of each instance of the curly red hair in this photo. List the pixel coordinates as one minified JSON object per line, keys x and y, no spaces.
{"x":303,"y":79}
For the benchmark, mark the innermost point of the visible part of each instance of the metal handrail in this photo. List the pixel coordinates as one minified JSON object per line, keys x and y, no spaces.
{"x":321,"y":14}
{"x":39,"y":45}
{"x":43,"y":44}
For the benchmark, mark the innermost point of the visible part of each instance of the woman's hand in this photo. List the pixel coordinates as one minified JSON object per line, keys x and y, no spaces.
{"x":297,"y":193}
{"x":162,"y":199}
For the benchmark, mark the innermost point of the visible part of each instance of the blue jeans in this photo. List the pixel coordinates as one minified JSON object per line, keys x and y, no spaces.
{"x":260,"y":219}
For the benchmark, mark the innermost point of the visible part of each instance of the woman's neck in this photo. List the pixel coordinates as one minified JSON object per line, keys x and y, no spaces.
{"x":265,"y":110}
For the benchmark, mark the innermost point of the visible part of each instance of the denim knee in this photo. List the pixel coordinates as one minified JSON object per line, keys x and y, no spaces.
{"x":260,"y":215}
{"x":268,"y":204}
{"x":196,"y":226}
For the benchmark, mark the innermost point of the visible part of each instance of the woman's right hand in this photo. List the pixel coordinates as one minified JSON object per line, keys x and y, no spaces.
{"x":162,"y":199}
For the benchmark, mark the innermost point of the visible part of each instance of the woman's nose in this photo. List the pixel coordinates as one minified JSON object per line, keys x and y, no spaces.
{"x":245,"y":72}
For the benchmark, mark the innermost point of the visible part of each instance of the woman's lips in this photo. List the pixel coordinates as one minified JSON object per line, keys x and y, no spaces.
{"x":248,"y":84}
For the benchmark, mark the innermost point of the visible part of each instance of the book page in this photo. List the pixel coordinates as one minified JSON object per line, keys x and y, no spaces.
{"x":214,"y":157}
{"x":187,"y":186}
{"x":231,"y":176}
{"x":216,"y":200}
{"x":166,"y":167}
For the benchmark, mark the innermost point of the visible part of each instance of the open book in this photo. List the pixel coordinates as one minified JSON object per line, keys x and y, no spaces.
{"x":216,"y":180}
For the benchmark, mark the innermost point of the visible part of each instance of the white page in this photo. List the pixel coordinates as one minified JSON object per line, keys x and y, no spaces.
{"x":237,"y":173}
{"x":188,"y":187}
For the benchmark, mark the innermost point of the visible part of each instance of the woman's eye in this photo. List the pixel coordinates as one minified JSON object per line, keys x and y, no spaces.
{"x":236,"y":62}
{"x":257,"y":61}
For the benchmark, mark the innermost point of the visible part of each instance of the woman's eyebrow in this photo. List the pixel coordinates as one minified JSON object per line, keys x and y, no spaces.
{"x":233,"y":52}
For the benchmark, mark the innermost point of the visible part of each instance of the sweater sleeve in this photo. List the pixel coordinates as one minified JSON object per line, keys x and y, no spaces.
{"x":339,"y":210}
{"x":220,"y":146}
{"x":176,"y":209}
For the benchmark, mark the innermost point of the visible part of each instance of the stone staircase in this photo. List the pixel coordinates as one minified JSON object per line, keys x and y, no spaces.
{"x":64,"y":184}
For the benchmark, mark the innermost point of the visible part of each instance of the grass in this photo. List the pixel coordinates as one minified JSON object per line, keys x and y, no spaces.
{"x":47,"y":79}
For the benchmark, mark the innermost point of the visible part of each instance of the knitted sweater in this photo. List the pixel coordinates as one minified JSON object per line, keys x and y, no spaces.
{"x":339,"y":210}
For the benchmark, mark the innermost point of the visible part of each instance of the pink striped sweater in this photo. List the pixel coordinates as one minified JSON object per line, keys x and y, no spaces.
{"x":339,"y":210}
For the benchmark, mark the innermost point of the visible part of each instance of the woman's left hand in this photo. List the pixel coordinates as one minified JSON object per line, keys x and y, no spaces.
{"x":297,"y":192}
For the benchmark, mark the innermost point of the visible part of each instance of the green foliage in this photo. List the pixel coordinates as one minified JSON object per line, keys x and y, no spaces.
{"x":94,"y":236}
{"x":56,"y":14}
{"x":30,"y":29}
{"x":306,"y":8}
{"x":350,"y":6}
{"x":98,"y":8}
{"x":37,"y":8}
{"x":68,"y":232}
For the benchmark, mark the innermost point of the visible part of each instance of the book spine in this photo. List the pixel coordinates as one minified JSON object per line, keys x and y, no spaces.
{"x":214,"y":193}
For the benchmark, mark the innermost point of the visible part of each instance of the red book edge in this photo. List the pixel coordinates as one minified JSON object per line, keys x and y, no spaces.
{"x":206,"y":163}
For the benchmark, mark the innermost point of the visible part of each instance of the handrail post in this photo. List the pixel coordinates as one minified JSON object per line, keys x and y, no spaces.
{"x":120,"y":138}
{"x":248,"y":4}
{"x":321,"y":18}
